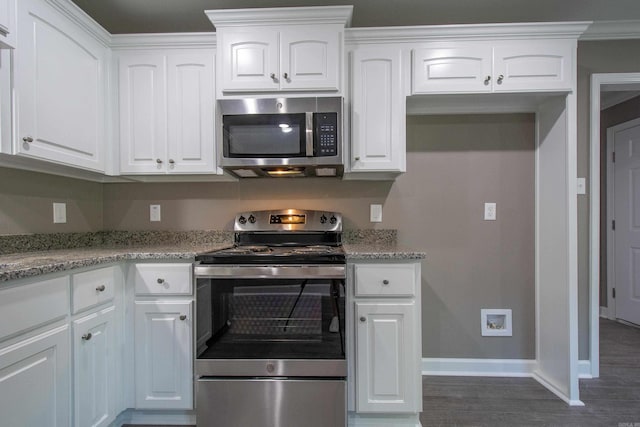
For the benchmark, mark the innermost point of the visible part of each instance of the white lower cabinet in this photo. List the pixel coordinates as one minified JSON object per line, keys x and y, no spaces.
{"x":35,"y":380}
{"x":163,"y":354}
{"x":94,"y":368}
{"x":387,"y":338}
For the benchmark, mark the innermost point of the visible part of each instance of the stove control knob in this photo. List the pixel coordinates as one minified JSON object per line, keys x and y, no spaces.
{"x":333,"y":219}
{"x":252,"y":219}
{"x":242,"y":220}
{"x":323,"y":219}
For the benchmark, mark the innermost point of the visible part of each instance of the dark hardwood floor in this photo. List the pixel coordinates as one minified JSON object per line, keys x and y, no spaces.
{"x":611,"y":400}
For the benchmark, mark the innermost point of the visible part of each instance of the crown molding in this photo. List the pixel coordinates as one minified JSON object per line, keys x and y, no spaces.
{"x":77,"y":15}
{"x":515,"y":31}
{"x":612,"y":30}
{"x":163,"y":40}
{"x":318,"y":15}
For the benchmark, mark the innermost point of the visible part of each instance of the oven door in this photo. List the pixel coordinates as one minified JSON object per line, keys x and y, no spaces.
{"x":270,"y":327}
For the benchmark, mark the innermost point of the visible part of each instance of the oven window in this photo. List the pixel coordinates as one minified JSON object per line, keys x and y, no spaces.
{"x":264,"y":135}
{"x":268,"y":318}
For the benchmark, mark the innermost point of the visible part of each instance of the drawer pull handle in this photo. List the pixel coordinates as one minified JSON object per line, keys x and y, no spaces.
{"x":101,"y":288}
{"x":27,"y":139}
{"x":500,"y":79}
{"x":87,"y":336}
{"x":385,"y":282}
{"x":183,"y":317}
{"x":363,"y":319}
{"x":160,"y":280}
{"x":487,"y":80}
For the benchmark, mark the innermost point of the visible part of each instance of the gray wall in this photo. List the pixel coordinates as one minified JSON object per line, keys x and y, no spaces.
{"x":615,"y":56}
{"x":455,"y":164}
{"x":612,"y":116}
{"x":26,"y":203}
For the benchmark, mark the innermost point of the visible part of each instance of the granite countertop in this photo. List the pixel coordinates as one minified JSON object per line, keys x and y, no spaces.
{"x":47,"y":257}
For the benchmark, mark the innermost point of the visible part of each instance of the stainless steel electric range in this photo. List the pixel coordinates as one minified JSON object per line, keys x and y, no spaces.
{"x":270,"y":323}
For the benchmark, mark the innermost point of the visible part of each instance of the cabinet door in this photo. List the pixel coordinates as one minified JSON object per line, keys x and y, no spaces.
{"x":248,"y":60}
{"x":378,"y":111}
{"x":191,"y":100}
{"x":94,"y":369}
{"x":163,"y":355}
{"x":533,"y":66}
{"x":35,"y":381}
{"x":385,"y":358}
{"x":462,"y":69}
{"x":60,"y":89}
{"x":7,"y":23}
{"x":143,"y":113}
{"x":310,"y":59}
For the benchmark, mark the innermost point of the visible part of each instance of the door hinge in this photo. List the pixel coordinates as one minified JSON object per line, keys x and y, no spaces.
{"x":613,"y":293}
{"x":613,"y":224}
{"x":614,"y":156}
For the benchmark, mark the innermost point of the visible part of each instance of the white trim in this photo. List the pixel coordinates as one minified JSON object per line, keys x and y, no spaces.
{"x":612,"y":30}
{"x":163,"y":40}
{"x":584,"y":369}
{"x":383,"y":420}
{"x":133,"y":416}
{"x":426,"y":33}
{"x":597,"y":80}
{"x":611,"y":238}
{"x":478,"y":367}
{"x":281,"y":15}
{"x":553,"y":389}
{"x":604,"y":312}
{"x":82,"y":19}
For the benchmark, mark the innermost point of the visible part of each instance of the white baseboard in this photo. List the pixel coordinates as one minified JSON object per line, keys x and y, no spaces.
{"x":584,"y":369}
{"x":604,"y":312}
{"x":383,"y":420}
{"x":478,"y":367}
{"x":133,"y":416}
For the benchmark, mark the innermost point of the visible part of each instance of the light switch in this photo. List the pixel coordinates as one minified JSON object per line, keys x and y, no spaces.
{"x":376,"y":213}
{"x":154,"y":213}
{"x":59,"y":213}
{"x":582,"y":186}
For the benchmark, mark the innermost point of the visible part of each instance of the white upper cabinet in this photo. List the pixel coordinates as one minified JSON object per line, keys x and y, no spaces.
{"x":280,"y":49}
{"x":377,"y":110}
{"x":167,"y":112}
{"x":293,"y":59}
{"x":502,"y":66}
{"x":60,"y":85}
{"x":7,"y":23}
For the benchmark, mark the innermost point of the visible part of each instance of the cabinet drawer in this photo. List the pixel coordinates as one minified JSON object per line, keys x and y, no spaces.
{"x":92,"y":288}
{"x":385,"y":280}
{"x":162,"y":279}
{"x":28,"y":306}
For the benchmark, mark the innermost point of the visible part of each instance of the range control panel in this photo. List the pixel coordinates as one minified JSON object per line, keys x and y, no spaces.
{"x":288,"y":220}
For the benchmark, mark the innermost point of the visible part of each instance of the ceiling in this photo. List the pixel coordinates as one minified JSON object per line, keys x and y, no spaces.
{"x":165,"y":16}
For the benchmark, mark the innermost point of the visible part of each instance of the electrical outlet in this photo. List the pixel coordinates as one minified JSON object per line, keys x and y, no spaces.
{"x":59,"y":213}
{"x":376,"y":213}
{"x":489,"y":211}
{"x":154,"y":213}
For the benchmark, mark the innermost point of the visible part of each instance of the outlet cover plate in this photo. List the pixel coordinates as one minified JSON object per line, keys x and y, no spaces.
{"x":490,"y":211}
{"x":154,"y":213}
{"x":59,"y":213}
{"x":376,"y":213}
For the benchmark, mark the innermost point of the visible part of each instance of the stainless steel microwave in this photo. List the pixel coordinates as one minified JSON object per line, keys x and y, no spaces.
{"x":281,"y":136}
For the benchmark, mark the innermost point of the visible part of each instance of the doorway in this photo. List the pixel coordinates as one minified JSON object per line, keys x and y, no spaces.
{"x":600,"y":84}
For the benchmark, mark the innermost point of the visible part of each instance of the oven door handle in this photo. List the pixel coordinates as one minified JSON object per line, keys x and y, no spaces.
{"x":320,"y":271}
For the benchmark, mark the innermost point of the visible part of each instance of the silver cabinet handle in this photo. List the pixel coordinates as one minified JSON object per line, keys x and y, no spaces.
{"x":87,"y":336}
{"x":160,"y":281}
{"x":27,"y":139}
{"x":357,"y":158}
{"x":183,"y":317}
{"x":500,"y":79}
{"x":286,"y":76}
{"x":363,"y":319}
{"x":172,"y":161}
{"x":158,"y":161}
{"x":385,"y":282}
{"x":101,"y":288}
{"x":487,"y":80}
{"x":273,"y":76}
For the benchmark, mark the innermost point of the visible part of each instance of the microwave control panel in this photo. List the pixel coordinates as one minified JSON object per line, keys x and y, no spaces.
{"x":326,"y":134}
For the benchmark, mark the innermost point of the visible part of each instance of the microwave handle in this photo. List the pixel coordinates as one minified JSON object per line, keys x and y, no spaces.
{"x":309,"y":133}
